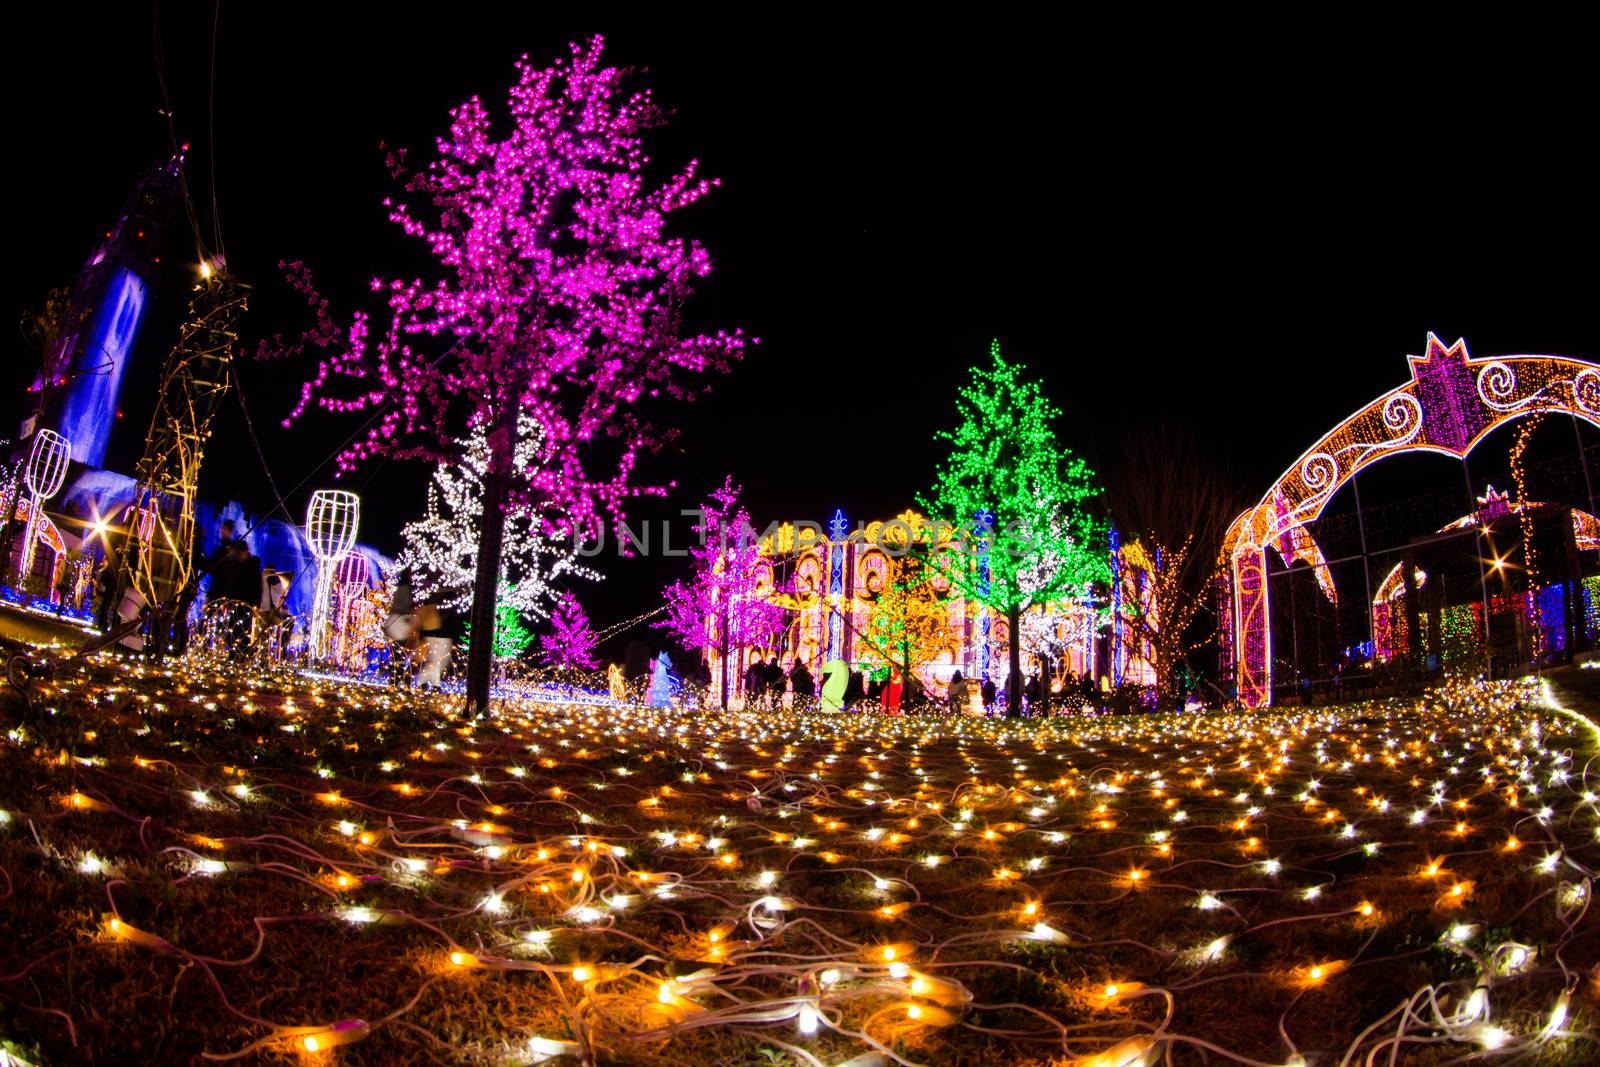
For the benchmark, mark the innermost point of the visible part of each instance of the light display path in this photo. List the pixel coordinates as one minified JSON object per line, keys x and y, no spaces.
{"x":199,"y":865}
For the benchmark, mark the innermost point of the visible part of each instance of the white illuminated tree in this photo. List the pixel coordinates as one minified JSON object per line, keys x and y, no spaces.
{"x":441,"y":548}
{"x":1044,"y":632}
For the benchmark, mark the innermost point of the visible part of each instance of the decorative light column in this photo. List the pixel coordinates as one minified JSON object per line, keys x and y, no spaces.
{"x":838,"y":530}
{"x":331,"y":521}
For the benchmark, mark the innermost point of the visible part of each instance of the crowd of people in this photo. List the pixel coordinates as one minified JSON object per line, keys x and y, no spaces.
{"x":767,"y":685}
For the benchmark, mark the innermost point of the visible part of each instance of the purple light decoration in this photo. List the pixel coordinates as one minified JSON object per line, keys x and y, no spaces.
{"x":556,"y":278}
{"x":1114,"y":541}
{"x":838,"y":530}
{"x":556,"y":291}
{"x":570,"y":642}
{"x":1451,"y":412}
{"x":725,"y":605}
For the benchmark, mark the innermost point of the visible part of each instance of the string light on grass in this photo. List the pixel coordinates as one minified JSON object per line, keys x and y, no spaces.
{"x":928,"y":1015}
{"x":346,"y":1032}
{"x":1492,"y":1037}
{"x":1317,"y":973}
{"x":546,"y":1048}
{"x":602,"y":879}
{"x":1130,"y":1052}
{"x":123,"y":932}
{"x":1558,"y":1016}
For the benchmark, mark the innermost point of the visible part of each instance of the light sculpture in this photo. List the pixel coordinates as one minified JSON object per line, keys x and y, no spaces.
{"x":195,"y":378}
{"x":1450,"y":404}
{"x":350,"y":579}
{"x":46,"y":470}
{"x":571,"y":641}
{"x":331,"y":521}
{"x":441,"y":548}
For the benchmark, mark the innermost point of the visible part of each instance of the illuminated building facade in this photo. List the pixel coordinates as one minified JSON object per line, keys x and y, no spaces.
{"x":830,"y":582}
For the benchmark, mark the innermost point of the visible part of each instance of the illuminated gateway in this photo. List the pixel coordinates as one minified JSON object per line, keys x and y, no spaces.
{"x":1494,"y":613}
{"x":830,"y":584}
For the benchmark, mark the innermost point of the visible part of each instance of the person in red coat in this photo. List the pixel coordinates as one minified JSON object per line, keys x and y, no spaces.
{"x":891,"y":694}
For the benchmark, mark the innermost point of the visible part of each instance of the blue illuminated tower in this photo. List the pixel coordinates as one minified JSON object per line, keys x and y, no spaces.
{"x":107,"y":307}
{"x":838,"y":530}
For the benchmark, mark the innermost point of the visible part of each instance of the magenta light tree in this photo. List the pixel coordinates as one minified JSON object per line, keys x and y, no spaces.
{"x":556,"y":289}
{"x":571,"y":642}
{"x":728,"y":603}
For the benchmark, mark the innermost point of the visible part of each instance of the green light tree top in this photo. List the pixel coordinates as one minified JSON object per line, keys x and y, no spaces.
{"x":1023,"y":507}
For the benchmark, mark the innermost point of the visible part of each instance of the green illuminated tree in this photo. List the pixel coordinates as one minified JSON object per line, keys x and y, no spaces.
{"x":511,"y":636}
{"x":1023,"y":510}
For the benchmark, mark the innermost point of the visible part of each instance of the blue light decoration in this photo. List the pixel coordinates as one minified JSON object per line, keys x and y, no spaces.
{"x":983,"y":522}
{"x":838,"y":528}
{"x":1552,"y":619}
{"x":43,"y":605}
{"x":89,"y":408}
{"x":664,"y":685}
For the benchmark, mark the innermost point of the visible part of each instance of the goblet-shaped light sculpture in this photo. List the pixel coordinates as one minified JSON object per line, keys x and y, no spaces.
{"x":46,"y":470}
{"x":331,"y":532}
{"x":350,"y":579}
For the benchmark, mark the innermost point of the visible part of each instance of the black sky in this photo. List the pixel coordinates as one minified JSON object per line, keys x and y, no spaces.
{"x":1241,"y":229}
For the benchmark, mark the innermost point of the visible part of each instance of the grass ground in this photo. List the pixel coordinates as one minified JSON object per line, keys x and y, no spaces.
{"x":200,"y":867}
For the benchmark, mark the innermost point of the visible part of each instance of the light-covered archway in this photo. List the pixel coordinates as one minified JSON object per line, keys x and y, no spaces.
{"x":1451,"y":402}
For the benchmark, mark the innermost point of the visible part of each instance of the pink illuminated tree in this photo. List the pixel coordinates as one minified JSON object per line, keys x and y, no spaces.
{"x":570,"y":642}
{"x":729,"y":602}
{"x":556,"y":290}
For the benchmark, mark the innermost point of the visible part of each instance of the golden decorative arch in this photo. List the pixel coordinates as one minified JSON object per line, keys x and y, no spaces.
{"x":1451,"y":402}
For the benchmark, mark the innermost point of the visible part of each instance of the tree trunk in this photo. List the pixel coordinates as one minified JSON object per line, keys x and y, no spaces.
{"x":905,"y":682}
{"x":1166,"y":685}
{"x":491,"y":538}
{"x":1014,"y":676}
{"x":727,"y":621}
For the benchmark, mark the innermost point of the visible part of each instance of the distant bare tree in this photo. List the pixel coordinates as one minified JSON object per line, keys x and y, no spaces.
{"x":1170,"y":495}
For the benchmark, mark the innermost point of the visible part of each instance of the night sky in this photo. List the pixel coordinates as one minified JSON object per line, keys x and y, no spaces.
{"x":1196,"y":225}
